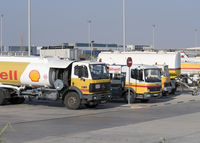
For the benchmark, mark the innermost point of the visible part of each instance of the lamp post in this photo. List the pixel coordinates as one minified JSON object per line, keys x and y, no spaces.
{"x":29,"y":27}
{"x":1,"y":33}
{"x":153,"y":31}
{"x":89,"y":37}
{"x":124,"y":26}
{"x":91,"y":49}
{"x":195,"y":37}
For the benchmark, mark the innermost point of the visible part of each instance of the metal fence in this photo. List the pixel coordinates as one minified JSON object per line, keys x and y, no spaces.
{"x":14,"y":53}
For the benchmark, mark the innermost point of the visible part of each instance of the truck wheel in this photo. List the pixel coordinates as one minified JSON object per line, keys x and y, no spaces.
{"x":2,"y":97}
{"x":17,"y":100}
{"x":174,"y":90}
{"x":132,"y":97}
{"x":91,"y":105}
{"x":72,"y":100}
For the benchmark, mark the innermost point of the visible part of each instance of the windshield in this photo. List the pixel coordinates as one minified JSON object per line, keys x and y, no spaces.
{"x":152,"y":75}
{"x":99,"y":71}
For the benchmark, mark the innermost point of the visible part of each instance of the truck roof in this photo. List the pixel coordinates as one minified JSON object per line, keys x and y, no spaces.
{"x":142,"y":66}
{"x":51,"y":62}
{"x":91,"y":62}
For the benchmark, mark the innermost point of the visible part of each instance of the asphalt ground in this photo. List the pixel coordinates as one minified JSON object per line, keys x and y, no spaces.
{"x":172,"y":118}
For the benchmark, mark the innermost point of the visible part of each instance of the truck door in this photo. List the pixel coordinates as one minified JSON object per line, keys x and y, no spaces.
{"x":81,"y":78}
{"x":136,"y":79}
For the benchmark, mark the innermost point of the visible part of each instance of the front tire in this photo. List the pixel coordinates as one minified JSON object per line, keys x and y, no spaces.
{"x":72,"y":100}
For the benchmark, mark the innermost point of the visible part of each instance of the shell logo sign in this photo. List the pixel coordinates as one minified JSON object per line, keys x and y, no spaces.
{"x":10,"y":72}
{"x":34,"y":75}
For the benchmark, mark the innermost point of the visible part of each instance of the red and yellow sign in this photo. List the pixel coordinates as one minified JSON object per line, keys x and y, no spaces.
{"x":34,"y":75}
{"x":10,"y":72}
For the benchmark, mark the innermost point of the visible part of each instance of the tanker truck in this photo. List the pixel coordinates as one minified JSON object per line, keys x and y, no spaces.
{"x":76,"y":83}
{"x":145,"y":82}
{"x":190,"y":68}
{"x":150,"y":58}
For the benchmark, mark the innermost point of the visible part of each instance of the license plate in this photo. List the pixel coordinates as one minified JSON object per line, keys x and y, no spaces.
{"x":148,"y":95}
{"x":97,"y":86}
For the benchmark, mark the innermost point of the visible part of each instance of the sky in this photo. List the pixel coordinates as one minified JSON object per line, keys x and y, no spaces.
{"x":54,"y":22}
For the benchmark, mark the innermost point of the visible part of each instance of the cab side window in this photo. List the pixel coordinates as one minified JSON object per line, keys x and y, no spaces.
{"x":137,"y":74}
{"x":81,"y":71}
{"x":134,"y":73}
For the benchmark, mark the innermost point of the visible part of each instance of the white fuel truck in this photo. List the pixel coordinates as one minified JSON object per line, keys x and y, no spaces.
{"x":150,"y":58}
{"x":75,"y":83}
{"x":145,"y":82}
{"x":190,"y":68}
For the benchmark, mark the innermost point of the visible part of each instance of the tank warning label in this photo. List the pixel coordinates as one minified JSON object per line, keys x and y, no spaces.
{"x":10,"y":72}
{"x":34,"y":75}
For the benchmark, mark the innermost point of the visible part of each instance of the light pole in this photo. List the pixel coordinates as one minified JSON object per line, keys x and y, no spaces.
{"x":91,"y":49}
{"x":124,"y":26}
{"x":195,"y":37}
{"x":1,"y":33}
{"x":153,"y":42}
{"x":29,"y":27}
{"x":89,"y":37}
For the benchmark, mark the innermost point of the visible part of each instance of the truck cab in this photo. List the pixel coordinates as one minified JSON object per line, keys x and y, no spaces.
{"x":91,"y":81}
{"x":165,"y":78}
{"x":145,"y":82}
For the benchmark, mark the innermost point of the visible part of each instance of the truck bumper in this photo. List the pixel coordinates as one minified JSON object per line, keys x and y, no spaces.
{"x":149,"y":95}
{"x":101,"y":98}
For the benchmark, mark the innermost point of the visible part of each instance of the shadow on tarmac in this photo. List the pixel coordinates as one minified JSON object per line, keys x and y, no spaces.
{"x":112,"y":104}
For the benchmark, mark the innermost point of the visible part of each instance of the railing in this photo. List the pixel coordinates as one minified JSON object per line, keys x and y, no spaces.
{"x":18,"y":53}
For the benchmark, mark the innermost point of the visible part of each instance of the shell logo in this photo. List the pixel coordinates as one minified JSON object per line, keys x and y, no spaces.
{"x":34,"y":75}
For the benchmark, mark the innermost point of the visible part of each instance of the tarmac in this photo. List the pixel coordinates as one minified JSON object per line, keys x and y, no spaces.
{"x":171,"y":119}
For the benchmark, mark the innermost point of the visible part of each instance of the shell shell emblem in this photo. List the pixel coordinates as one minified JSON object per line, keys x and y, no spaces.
{"x":34,"y":75}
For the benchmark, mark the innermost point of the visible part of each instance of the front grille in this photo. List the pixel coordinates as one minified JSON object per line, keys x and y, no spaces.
{"x":97,"y":87}
{"x":167,"y":84}
{"x":158,"y":88}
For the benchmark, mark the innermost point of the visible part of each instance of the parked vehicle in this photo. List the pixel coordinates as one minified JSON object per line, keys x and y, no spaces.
{"x":190,"y":69}
{"x":145,"y":82}
{"x":149,"y":58}
{"x":76,"y":83}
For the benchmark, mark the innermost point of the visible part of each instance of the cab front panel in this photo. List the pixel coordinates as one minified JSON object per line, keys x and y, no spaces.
{"x":141,"y":88}
{"x":90,"y":86}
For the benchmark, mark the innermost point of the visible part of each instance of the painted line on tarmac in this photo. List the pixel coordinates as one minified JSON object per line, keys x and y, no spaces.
{"x":136,"y":107}
{"x":165,"y":104}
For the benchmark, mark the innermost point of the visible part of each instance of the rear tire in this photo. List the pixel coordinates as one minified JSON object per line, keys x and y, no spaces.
{"x":2,"y":97}
{"x":72,"y":100}
{"x":173,"y":90}
{"x":17,"y":100}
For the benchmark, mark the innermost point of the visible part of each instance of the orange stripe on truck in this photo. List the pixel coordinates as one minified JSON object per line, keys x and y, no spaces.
{"x":144,"y":85}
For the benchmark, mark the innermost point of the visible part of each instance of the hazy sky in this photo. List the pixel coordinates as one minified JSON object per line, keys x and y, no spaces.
{"x":58,"y":21}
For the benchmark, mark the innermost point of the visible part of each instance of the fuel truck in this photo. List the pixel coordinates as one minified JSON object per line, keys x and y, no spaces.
{"x":74,"y":82}
{"x":145,"y":82}
{"x":171,"y":59}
